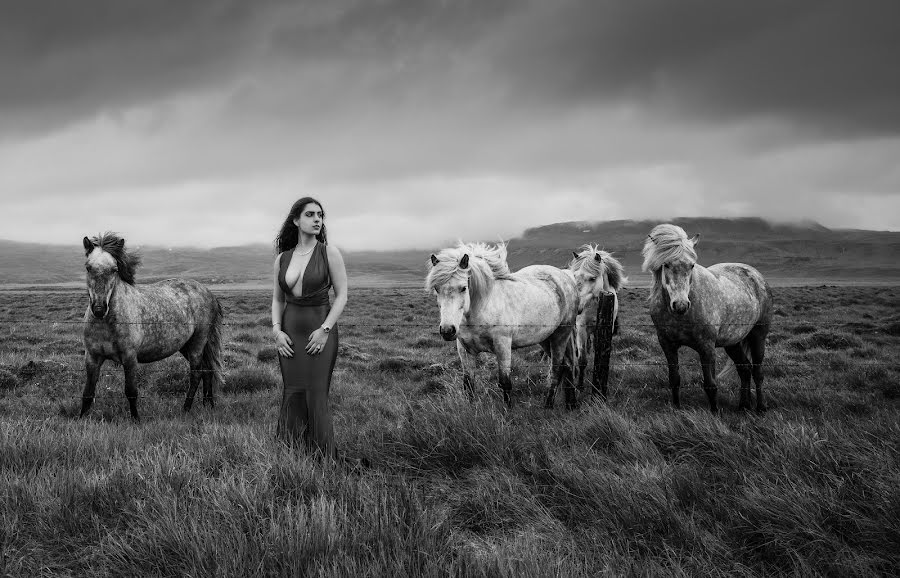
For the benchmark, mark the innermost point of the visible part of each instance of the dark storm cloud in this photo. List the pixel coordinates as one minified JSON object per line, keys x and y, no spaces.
{"x":826,"y":64}
{"x":61,"y":61}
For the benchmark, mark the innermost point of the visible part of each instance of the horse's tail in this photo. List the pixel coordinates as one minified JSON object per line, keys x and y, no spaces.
{"x":211,"y":359}
{"x":730,"y":368}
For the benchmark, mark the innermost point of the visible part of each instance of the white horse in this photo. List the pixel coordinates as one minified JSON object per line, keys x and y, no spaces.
{"x":595,"y":271}
{"x":487,"y":308}
{"x":727,"y":305}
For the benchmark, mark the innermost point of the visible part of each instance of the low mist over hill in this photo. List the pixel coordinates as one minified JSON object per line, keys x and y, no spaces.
{"x":803,"y":250}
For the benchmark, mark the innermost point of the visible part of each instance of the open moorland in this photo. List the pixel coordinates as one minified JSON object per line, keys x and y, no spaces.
{"x":434,"y":484}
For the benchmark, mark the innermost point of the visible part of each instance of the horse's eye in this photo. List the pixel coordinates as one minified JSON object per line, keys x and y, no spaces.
{"x":462,"y":289}
{"x":592,"y":279}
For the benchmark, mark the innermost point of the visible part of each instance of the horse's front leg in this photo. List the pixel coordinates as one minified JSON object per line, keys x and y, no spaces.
{"x":92,"y":365}
{"x":582,"y":346}
{"x":469,"y":362}
{"x":671,"y":352}
{"x":710,"y":385}
{"x":131,"y":389}
{"x":503,"y":351}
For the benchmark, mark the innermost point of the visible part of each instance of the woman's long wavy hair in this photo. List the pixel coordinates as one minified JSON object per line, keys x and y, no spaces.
{"x":288,"y":236}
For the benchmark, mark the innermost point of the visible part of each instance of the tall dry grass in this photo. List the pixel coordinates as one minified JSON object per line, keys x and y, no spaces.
{"x":435,"y":484}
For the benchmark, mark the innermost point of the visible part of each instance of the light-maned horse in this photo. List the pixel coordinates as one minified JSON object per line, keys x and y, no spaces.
{"x":726,"y":305}
{"x":487,"y":308}
{"x":133,"y":324}
{"x":595,"y":271}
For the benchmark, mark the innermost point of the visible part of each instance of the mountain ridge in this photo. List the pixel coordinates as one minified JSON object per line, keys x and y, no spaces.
{"x":806,"y":249}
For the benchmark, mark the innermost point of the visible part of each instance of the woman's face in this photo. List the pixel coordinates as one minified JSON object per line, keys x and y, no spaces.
{"x":310,"y":219}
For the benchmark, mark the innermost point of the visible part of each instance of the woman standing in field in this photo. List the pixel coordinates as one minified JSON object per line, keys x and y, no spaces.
{"x":303,"y":323}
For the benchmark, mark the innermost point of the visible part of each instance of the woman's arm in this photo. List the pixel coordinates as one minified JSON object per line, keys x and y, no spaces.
{"x":282,"y":341}
{"x":339,"y":282}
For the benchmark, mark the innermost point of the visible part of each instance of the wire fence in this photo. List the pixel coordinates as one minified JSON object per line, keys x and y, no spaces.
{"x":892,"y":326}
{"x":400,"y":364}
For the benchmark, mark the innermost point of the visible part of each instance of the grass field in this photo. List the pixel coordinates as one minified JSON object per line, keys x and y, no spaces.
{"x":443,"y":486}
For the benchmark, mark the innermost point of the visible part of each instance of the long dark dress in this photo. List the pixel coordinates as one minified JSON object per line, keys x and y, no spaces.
{"x":305,"y":414}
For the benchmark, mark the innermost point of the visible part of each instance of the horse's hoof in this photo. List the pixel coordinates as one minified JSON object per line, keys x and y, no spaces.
{"x":761,"y":409}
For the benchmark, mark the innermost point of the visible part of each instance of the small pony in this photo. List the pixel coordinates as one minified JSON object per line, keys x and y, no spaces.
{"x":487,"y":308}
{"x":594,"y":271}
{"x":727,"y":305}
{"x":132,"y":325}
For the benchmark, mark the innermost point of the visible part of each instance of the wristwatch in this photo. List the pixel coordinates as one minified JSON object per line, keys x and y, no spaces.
{"x":325,"y":328}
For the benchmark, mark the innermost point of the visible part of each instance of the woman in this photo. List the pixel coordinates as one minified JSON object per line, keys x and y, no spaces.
{"x":303,"y":324}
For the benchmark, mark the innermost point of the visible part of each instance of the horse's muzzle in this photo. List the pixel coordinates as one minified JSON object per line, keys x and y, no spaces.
{"x":448,"y":333}
{"x":99,"y":311}
{"x":680,"y":307}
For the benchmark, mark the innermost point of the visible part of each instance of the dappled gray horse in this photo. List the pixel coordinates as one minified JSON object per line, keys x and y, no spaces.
{"x":487,"y":308}
{"x":131,"y":324}
{"x":726,"y":305}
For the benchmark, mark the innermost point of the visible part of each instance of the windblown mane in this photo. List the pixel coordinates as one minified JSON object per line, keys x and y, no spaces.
{"x":664,"y":244}
{"x":486,"y":264}
{"x":126,"y":262}
{"x":608,"y":265}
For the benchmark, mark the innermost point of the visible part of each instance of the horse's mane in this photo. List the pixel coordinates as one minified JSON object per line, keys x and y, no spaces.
{"x":127,"y":263}
{"x":486,"y":264}
{"x":666,"y":243}
{"x":608,"y":265}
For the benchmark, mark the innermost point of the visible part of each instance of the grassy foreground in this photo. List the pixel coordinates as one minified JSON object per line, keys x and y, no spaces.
{"x":449,"y":487}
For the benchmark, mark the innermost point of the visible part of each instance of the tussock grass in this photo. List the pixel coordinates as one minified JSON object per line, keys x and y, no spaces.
{"x":438,"y":484}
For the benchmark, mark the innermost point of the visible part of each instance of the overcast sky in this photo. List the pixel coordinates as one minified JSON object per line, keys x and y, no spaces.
{"x":419,"y":122}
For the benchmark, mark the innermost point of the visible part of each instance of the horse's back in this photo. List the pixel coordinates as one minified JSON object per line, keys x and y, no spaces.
{"x":534,"y":303}
{"x":745,"y":294}
{"x":553,"y":281}
{"x":173,"y":313}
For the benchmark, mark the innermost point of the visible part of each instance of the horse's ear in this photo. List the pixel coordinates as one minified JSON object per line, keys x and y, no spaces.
{"x":574,"y":254}
{"x":598,"y":258}
{"x":464,"y":262}
{"x":88,"y":246}
{"x":695,"y":239}
{"x":434,"y":260}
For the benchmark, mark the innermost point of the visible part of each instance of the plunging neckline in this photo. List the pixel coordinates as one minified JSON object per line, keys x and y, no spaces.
{"x":302,"y":275}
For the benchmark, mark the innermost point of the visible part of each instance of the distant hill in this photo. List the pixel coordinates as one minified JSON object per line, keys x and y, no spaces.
{"x":800,"y":250}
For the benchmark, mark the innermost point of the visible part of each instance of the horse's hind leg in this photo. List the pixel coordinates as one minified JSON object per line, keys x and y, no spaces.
{"x":710,"y":385}
{"x":561,"y":364}
{"x":193,"y":358}
{"x":92,"y":367}
{"x":503,"y":351}
{"x":742,"y":364}
{"x":757,"y":341}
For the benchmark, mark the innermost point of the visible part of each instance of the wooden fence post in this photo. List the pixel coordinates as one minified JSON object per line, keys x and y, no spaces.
{"x":603,"y":332}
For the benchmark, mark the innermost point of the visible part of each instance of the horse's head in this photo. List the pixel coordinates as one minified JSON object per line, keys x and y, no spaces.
{"x":675,"y":277}
{"x":107,"y":263}
{"x":670,"y":255}
{"x":595,"y":271}
{"x":453,"y":295}
{"x":102,"y":274}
